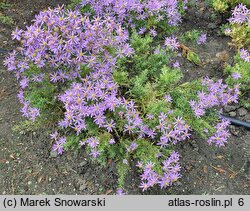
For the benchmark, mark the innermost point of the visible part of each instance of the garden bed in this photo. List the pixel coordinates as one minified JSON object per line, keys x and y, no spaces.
{"x":29,"y":166}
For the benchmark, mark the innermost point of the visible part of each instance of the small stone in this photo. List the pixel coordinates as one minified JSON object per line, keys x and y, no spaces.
{"x":230,"y":108}
{"x":50,"y":179}
{"x":82,"y":187}
{"x":83,"y":163}
{"x":246,"y":118}
{"x":232,"y":113}
{"x":242,"y":112}
{"x":222,"y":56}
{"x":234,"y":130}
{"x":178,"y":183}
{"x":53,"y":154}
{"x":212,"y":26}
{"x":29,"y":182}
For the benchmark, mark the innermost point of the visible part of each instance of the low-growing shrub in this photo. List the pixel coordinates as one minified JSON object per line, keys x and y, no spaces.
{"x":116,"y":91}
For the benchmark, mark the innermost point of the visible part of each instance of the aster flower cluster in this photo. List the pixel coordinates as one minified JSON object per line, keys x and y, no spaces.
{"x":27,"y":110}
{"x":170,"y":169}
{"x":218,"y":94}
{"x":173,"y":132}
{"x":126,"y":11}
{"x":221,"y":135}
{"x":90,"y":100}
{"x":59,"y":142}
{"x":64,"y":41}
{"x":63,"y":44}
{"x":240,"y":15}
{"x":134,"y":122}
{"x":93,"y":143}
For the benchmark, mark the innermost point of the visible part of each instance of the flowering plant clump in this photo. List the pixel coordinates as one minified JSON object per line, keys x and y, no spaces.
{"x":218,"y":94}
{"x":114,"y":90}
{"x":239,"y":31}
{"x":127,"y":11}
{"x":239,"y":28}
{"x":224,"y":5}
{"x":63,"y":42}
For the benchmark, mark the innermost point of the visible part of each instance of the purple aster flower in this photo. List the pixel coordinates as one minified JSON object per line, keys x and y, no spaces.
{"x":142,"y":30}
{"x":111,"y":141}
{"x":176,"y":64}
{"x":92,"y":142}
{"x":245,"y":55}
{"x":218,"y":94}
{"x":132,"y":147}
{"x":144,"y":186}
{"x":227,"y":31}
{"x":24,"y":83}
{"x":139,"y":164}
{"x":54,"y":77}
{"x":94,"y":153}
{"x":54,"y":135}
{"x":202,"y":39}
{"x":236,"y":76}
{"x":129,"y":128}
{"x":172,"y":43}
{"x":17,"y":34}
{"x":58,"y":146}
{"x":99,"y":119}
{"x":165,"y":181}
{"x":157,"y":51}
{"x":82,"y":143}
{"x":221,"y":135}
{"x":150,"y":116}
{"x":151,"y":133}
{"x":168,"y":98}
{"x":120,"y":192}
{"x":153,"y":32}
{"x":110,"y":125}
{"x":240,"y":15}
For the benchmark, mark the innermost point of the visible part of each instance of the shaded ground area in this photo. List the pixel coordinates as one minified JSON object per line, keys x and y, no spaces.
{"x":28,"y":166}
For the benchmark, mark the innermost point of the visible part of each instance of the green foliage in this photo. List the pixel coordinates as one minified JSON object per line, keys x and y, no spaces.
{"x":190,"y":36}
{"x":41,"y":96}
{"x":120,"y":77}
{"x":224,"y":5}
{"x":4,"y":5}
{"x":147,"y":72}
{"x":181,"y":96}
{"x":75,"y":3}
{"x":240,"y":35}
{"x":223,"y":27}
{"x":220,"y":5}
{"x":26,"y":126}
{"x":168,"y":78}
{"x":193,"y":57}
{"x":72,"y":142}
{"x":141,"y":44}
{"x":4,"y":19}
{"x":122,"y":172}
